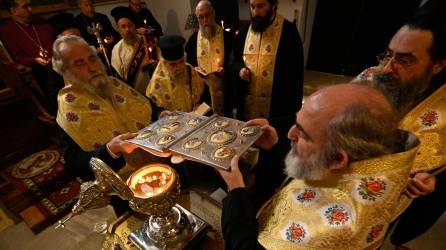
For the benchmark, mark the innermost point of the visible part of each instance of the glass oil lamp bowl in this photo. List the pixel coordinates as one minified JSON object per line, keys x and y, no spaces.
{"x":156,"y":188}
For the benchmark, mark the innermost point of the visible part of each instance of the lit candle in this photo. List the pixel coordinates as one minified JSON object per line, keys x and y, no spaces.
{"x":223,"y":24}
{"x":151,"y":180}
{"x":145,"y":22}
{"x":244,"y":59}
{"x":218,"y":62}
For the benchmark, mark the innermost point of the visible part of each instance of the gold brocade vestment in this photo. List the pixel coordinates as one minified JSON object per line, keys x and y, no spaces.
{"x":91,"y":120}
{"x":179,"y":93}
{"x":259,"y":55}
{"x":211,"y":56}
{"x":352,"y":212}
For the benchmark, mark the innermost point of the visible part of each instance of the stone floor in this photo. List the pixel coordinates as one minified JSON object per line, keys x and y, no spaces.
{"x":79,"y":233}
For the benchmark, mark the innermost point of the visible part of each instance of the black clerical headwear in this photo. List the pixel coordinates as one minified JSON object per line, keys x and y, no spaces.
{"x":62,"y":22}
{"x":171,"y":47}
{"x":122,"y":12}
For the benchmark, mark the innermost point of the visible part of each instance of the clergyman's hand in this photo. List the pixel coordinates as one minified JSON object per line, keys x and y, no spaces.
{"x":164,"y":113}
{"x":118,"y":145}
{"x":245,"y":74}
{"x":41,"y":61}
{"x":269,"y":137}
{"x":417,"y":187}
{"x":233,"y":178}
{"x":220,"y":71}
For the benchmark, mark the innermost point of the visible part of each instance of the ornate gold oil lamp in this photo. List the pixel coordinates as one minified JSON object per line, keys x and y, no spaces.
{"x":153,"y":190}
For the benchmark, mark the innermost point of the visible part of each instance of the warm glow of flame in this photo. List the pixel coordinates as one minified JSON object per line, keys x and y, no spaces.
{"x":151,"y":180}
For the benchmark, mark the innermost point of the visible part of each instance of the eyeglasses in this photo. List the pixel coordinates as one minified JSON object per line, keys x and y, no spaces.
{"x":405,"y":60}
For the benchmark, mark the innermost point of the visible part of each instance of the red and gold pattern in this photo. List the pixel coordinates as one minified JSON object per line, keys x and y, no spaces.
{"x":307,"y":196}
{"x":371,"y":188}
{"x":91,"y":120}
{"x":296,"y":233}
{"x":430,"y":118}
{"x":336,"y":215}
{"x":332,"y":214}
{"x":374,"y":233}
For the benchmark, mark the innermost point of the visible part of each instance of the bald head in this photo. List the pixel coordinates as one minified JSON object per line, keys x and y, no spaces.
{"x":333,"y":100}
{"x":338,"y":125}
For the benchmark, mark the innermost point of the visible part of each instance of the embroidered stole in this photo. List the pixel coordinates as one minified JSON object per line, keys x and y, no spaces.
{"x":135,"y":63}
{"x":260,"y":57}
{"x":210,"y":56}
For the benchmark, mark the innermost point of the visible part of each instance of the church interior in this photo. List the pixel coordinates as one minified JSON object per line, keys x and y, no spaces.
{"x":339,"y":39}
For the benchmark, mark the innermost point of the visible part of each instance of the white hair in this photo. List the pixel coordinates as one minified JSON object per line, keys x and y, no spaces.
{"x":57,"y":61}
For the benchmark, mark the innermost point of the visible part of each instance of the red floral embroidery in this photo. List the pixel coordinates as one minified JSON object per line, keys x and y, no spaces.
{"x":72,"y":117}
{"x":119,"y":98}
{"x":251,"y":47}
{"x":429,"y":118}
{"x":167,"y":96}
{"x":93,"y":106}
{"x":371,"y":188}
{"x":217,"y":50}
{"x":306,"y":196}
{"x":264,"y":73}
{"x":337,"y":215}
{"x":162,"y":73}
{"x":203,"y":52}
{"x":70,"y":97}
{"x":295,"y":233}
{"x":375,"y":231}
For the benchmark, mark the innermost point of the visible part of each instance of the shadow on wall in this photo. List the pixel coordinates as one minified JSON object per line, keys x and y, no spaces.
{"x":172,"y":25}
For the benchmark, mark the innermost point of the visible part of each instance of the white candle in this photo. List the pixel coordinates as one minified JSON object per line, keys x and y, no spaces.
{"x":145,"y":22}
{"x":223,"y":24}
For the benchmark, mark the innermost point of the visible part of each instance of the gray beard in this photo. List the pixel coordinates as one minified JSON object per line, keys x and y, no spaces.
{"x":312,"y":169}
{"x":208,"y":32}
{"x":98,"y":85}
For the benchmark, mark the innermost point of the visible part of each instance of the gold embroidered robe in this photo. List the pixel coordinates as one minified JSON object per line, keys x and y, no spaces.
{"x":352,"y":212}
{"x":92,"y":121}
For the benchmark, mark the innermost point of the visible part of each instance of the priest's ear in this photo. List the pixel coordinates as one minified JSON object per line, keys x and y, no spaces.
{"x":439,"y":66}
{"x":340,"y":161}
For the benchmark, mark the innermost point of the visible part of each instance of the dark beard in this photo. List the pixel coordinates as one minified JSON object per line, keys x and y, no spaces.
{"x":402,"y":97}
{"x":259,"y":23}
